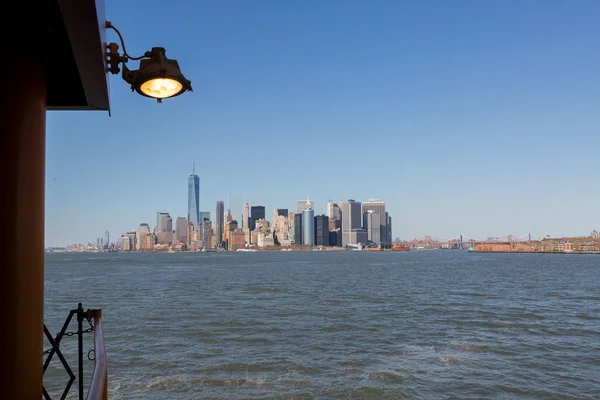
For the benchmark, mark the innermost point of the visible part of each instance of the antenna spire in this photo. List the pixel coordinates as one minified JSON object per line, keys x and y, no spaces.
{"x":194,"y":167}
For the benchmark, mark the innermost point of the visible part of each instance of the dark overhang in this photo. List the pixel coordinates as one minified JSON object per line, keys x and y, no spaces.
{"x":75,"y":63}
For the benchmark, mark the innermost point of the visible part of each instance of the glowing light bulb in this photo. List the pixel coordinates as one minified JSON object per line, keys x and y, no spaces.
{"x":161,"y":88}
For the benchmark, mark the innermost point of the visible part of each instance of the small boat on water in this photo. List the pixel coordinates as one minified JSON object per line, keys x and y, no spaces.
{"x":247,"y":250}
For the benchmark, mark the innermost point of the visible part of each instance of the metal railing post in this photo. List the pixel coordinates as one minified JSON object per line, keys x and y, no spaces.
{"x":99,"y":385}
{"x":80,"y":347}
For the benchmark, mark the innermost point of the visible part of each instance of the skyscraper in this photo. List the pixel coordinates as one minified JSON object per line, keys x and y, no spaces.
{"x":256,"y":213}
{"x":322,"y":230}
{"x":219,"y":222}
{"x":351,"y":221}
{"x":194,"y":198}
{"x":206,"y":234}
{"x":333,"y":210}
{"x":180,"y":230}
{"x":378,"y":207}
{"x":125,"y":243}
{"x":389,"y":229}
{"x":143,"y":231}
{"x":246,"y":220}
{"x":164,"y":227}
{"x":164,"y":223}
{"x":106,"y":238}
{"x":297,"y":229}
{"x":308,"y":227}
{"x":372,"y":224}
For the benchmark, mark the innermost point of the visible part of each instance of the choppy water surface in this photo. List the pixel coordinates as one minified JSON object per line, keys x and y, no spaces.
{"x":442,"y":324}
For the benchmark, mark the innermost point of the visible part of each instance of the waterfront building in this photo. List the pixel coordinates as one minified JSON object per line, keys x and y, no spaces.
{"x":281,"y":226}
{"x":291,"y":226}
{"x":358,"y":236}
{"x":308,"y":226}
{"x":389,"y":236}
{"x":233,"y":237}
{"x":141,"y":240}
{"x":246,"y":219}
{"x":125,"y":243}
{"x":143,"y":231}
{"x":254,"y":236}
{"x":219,"y":221}
{"x":161,"y":221}
{"x":206,"y":234}
{"x":333,"y":210}
{"x":351,"y":220}
{"x":322,"y":230}
{"x":335,"y":238}
{"x":150,"y":242}
{"x":194,"y":199}
{"x":256,"y":213}
{"x":378,"y":207}
{"x":180,"y":230}
{"x":236,"y":240}
{"x":164,"y":226}
{"x":372,"y":224}
{"x":298,"y":228}
{"x":161,"y":237}
{"x":106,"y":238}
{"x":132,"y":239}
{"x":191,"y":235}
{"x":265,"y":240}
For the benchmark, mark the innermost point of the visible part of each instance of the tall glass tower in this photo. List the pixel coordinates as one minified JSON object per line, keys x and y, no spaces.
{"x":194,"y":198}
{"x":220,"y":225}
{"x":308,"y":224}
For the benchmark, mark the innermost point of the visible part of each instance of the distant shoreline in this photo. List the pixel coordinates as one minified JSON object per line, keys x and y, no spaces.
{"x":314,"y":250}
{"x":535,"y":252}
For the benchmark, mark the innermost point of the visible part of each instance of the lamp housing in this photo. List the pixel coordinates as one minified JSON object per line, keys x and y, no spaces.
{"x":157,"y":77}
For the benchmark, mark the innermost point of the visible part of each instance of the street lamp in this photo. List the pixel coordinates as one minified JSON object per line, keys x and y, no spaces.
{"x":157,"y":77}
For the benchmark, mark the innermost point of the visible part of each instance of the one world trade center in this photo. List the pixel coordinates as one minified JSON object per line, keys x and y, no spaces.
{"x":194,"y":198}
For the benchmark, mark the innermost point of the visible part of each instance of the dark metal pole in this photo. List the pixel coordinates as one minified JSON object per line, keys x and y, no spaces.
{"x":80,"y":346}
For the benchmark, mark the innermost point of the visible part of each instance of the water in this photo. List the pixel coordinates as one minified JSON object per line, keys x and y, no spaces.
{"x":417,"y":325}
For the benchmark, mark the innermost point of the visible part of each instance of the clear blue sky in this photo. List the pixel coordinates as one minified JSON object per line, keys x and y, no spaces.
{"x":473,"y":117}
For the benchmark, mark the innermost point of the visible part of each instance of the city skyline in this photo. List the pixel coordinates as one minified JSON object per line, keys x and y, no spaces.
{"x":364,"y":217}
{"x":317,"y":208}
{"x":477,"y":128}
{"x":313,"y":228}
{"x":365,"y":224}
